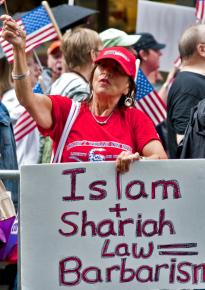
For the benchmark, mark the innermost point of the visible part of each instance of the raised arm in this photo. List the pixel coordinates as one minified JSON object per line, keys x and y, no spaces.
{"x":38,"y":105}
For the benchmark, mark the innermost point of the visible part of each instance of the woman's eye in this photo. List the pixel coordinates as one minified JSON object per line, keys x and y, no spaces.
{"x":101,"y":65}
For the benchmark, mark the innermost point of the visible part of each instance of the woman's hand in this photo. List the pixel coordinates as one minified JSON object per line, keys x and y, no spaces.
{"x":12,"y":32}
{"x":151,"y":151}
{"x":124,"y":160}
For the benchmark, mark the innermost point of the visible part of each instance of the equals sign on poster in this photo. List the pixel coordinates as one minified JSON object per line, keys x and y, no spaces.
{"x":179,"y":249}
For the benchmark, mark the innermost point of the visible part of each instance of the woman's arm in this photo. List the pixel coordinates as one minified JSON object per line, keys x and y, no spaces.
{"x":154,"y":150}
{"x":39,"y":106}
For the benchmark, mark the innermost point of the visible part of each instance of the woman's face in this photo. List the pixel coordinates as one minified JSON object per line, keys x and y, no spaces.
{"x":109,"y":80}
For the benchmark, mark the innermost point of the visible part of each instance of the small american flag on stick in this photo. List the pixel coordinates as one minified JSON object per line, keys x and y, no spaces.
{"x":38,"y":27}
{"x":200,"y":11}
{"x":148,"y":100}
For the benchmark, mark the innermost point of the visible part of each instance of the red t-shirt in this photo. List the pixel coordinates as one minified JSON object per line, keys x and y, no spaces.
{"x":128,"y":129}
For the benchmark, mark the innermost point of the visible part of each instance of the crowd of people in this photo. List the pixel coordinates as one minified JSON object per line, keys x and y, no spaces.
{"x":99,"y":72}
{"x":89,"y":68}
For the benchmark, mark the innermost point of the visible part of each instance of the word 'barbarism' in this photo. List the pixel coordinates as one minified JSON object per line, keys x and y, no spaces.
{"x":73,"y":272}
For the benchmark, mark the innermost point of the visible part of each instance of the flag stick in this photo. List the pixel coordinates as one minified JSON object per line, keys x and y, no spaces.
{"x":40,"y":79}
{"x":137,"y":65}
{"x":38,"y":60}
{"x":46,"y":6}
{"x":6,"y":7}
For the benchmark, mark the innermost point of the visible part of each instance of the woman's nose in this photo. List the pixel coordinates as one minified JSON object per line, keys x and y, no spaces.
{"x":107,"y":69}
{"x":107,"y":72}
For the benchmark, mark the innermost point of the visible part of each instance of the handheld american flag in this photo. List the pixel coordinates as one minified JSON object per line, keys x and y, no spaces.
{"x":200,"y":11}
{"x":25,"y":123}
{"x":38,"y":27}
{"x":148,"y":100}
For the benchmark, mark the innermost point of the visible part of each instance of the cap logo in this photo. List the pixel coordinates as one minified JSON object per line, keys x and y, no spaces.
{"x":117,"y":53}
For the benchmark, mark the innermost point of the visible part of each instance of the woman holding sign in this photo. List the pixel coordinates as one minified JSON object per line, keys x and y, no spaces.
{"x":106,"y":127}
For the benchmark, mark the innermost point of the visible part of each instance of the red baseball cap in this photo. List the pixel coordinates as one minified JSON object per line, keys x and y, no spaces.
{"x":123,"y":56}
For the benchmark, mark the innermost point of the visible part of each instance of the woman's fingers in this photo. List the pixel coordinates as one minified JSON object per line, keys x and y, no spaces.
{"x":11,"y":31}
{"x":5,"y":17}
{"x":125,"y":159}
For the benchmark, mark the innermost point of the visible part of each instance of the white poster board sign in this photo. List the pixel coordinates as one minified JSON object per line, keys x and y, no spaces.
{"x":84,"y":227}
{"x":166,"y":22}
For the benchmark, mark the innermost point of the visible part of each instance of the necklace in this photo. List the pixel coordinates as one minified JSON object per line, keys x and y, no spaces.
{"x":102,"y":122}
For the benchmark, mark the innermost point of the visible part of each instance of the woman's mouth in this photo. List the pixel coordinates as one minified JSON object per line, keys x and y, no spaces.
{"x":104,"y":81}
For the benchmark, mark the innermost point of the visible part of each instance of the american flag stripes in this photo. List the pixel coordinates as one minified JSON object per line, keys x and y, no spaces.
{"x":38,"y":28}
{"x":200,"y":11}
{"x":25,"y":123}
{"x":24,"y":126}
{"x":148,"y":100}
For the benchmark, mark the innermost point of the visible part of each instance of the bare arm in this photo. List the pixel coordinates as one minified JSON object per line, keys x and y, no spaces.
{"x":154,"y":150}
{"x":39,"y":106}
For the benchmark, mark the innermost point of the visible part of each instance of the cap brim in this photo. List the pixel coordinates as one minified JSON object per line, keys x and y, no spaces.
{"x":54,"y":47}
{"x":125,"y":41}
{"x":118,"y":60}
{"x":158,"y":46}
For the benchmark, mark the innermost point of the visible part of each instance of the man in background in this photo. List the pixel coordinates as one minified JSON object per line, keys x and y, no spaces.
{"x":188,"y":87}
{"x":54,"y":65}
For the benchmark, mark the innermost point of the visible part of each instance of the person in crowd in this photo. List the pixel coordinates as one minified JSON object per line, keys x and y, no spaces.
{"x":55,"y":66}
{"x":53,"y":71}
{"x":27,"y":148}
{"x":80,"y":47}
{"x":94,"y":131}
{"x":115,"y":37}
{"x":9,"y":98}
{"x":8,"y":158}
{"x":148,"y":50}
{"x":8,"y":95}
{"x":120,"y":38}
{"x":189,"y":85}
{"x":55,"y":60}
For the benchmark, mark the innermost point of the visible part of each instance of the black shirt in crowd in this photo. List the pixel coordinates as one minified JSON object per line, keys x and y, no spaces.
{"x":186,"y":91}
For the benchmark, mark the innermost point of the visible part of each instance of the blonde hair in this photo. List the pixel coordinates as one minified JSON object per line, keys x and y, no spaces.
{"x":77,"y":45}
{"x":5,"y":79}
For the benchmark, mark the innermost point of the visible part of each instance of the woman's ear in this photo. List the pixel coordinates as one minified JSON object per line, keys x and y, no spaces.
{"x":126,"y":90}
